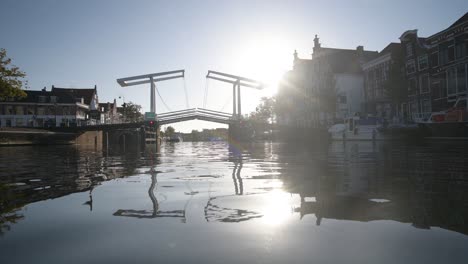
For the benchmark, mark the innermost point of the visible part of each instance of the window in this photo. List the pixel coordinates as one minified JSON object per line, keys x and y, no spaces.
{"x":436,"y":89}
{"x":40,"y":110}
{"x":410,"y":67}
{"x":460,"y":50}
{"x":456,"y":80}
{"x":42,"y":99}
{"x":9,"y":110}
{"x":19,"y":122}
{"x":409,"y":50}
{"x":414,"y":107}
{"x":53,"y":99}
{"x":451,"y":53}
{"x":460,"y":47}
{"x":443,"y":56}
{"x":451,"y":81}
{"x":426,"y":106}
{"x":342,"y":99}
{"x":424,"y":83}
{"x":434,"y":59}
{"x":412,"y":86}
{"x":423,"y":62}
{"x":446,"y":52}
{"x":19,"y":110}
{"x":30,"y":110}
{"x":461,"y":78}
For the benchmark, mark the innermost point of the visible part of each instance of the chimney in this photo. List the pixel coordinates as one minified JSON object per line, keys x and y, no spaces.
{"x":360,"y":49}
{"x":316,"y":42}
{"x":316,"y":46}
{"x":296,"y":57}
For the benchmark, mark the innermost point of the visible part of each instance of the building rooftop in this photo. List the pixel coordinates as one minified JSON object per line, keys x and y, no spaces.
{"x":86,"y":93}
{"x":58,"y":95}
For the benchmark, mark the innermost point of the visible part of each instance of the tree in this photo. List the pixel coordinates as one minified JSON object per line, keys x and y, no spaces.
{"x":11,"y":78}
{"x":169,"y":131}
{"x":131,"y":112}
{"x":264,"y":112}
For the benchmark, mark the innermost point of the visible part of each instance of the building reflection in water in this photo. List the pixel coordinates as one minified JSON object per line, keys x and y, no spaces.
{"x":422,"y":185}
{"x":31,"y":174}
{"x":425,"y":186}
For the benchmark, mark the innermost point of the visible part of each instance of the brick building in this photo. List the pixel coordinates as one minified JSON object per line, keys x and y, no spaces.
{"x":436,"y":69}
{"x":377,"y":75}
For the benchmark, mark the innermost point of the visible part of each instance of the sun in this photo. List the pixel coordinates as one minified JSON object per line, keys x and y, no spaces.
{"x":265,"y":59}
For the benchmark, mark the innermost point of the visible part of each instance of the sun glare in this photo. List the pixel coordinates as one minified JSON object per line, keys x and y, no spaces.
{"x":279,"y":208}
{"x":266,"y":60}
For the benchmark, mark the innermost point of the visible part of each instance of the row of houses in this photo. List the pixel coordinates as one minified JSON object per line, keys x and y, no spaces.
{"x":57,"y":107}
{"x":404,"y":82}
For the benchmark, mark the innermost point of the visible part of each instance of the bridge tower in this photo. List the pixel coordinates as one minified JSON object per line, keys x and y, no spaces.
{"x":237,"y":130}
{"x":237,"y":82}
{"x":152,"y":79}
{"x":151,"y":127}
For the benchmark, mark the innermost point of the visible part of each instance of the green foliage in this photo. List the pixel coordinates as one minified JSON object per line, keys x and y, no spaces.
{"x":169,"y":131}
{"x":264,"y":113}
{"x":11,"y":78}
{"x":131,"y":112}
{"x":9,"y":212}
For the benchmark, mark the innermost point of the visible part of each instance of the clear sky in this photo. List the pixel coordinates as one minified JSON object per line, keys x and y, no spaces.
{"x":83,"y":43}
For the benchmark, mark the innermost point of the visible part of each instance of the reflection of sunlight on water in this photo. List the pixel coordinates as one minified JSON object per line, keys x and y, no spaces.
{"x":279,"y":207}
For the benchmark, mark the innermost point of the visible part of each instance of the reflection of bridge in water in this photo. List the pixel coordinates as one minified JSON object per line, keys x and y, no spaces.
{"x":154,"y":212}
{"x":338,"y":184}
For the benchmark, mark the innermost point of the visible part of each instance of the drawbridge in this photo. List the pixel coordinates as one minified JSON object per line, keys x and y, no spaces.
{"x":192,"y":113}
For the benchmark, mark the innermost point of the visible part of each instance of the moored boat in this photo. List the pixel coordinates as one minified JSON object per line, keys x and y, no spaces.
{"x":449,"y":124}
{"x":369,"y":129}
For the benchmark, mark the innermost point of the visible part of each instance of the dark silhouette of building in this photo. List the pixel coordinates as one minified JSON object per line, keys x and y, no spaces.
{"x":328,"y":86}
{"x":377,"y":75}
{"x":436,"y":68}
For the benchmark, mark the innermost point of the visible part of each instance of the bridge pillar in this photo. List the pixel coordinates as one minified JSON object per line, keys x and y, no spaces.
{"x":240,"y":131}
{"x":122,"y":140}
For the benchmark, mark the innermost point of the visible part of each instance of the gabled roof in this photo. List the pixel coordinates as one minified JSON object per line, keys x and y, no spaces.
{"x":340,"y":60}
{"x":344,"y":60}
{"x":106,"y":106}
{"x":391,"y":48}
{"x":461,"y":20}
{"x":86,"y":93}
{"x":33,"y":97}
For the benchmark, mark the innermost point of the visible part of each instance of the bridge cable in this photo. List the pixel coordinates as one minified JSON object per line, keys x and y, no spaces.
{"x":186,"y":95}
{"x":206,"y":93}
{"x":162,"y":100}
{"x":225,"y":104}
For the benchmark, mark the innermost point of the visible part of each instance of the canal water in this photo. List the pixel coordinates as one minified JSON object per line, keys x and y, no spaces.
{"x":211,"y":202}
